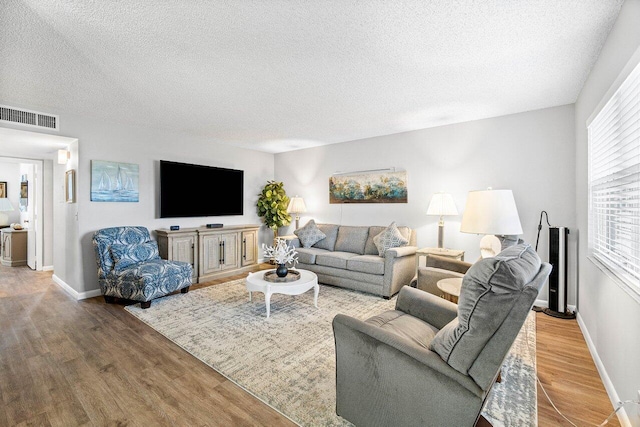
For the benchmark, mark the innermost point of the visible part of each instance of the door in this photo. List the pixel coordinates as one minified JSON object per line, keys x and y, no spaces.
{"x":229,"y":251}
{"x":211,"y":254}
{"x":248,"y":248}
{"x":30,"y":216}
{"x":184,"y":249}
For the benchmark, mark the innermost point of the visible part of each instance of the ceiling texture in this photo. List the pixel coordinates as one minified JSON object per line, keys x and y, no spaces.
{"x":283,"y":75}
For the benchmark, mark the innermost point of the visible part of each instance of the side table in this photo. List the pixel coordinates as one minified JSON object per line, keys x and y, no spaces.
{"x":449,"y":253}
{"x":451,"y":288}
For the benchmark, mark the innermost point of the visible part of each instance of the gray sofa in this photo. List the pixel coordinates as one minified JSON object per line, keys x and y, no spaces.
{"x":348,"y":258}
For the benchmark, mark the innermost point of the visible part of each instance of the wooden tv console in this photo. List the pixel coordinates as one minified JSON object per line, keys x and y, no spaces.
{"x":213,"y":252}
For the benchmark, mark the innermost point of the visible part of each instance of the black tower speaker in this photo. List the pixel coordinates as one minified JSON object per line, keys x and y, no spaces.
{"x":558,"y":276}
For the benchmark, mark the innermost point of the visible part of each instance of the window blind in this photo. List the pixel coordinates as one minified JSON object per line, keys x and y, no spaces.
{"x":614,"y":182}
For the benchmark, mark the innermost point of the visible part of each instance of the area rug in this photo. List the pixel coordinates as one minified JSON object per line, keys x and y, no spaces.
{"x":288,"y":360}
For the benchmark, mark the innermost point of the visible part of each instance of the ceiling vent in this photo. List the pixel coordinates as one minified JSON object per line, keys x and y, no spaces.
{"x":29,"y":118}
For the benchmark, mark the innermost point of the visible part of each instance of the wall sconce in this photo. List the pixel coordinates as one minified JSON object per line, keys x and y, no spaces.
{"x":63,"y":157}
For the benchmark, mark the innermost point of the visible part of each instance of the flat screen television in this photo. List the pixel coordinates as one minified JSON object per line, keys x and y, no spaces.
{"x":194,"y":190}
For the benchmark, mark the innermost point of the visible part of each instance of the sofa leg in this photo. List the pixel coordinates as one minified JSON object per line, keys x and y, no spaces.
{"x":185,"y":290}
{"x":145,"y":304}
{"x":109,"y":299}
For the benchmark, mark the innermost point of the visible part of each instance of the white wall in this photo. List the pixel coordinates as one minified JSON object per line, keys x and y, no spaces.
{"x":530,"y":153}
{"x":75,"y":264}
{"x":10,"y":173}
{"x":610,"y":315}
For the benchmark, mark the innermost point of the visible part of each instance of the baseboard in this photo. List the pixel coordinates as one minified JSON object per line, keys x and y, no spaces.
{"x":608,"y":385}
{"x":75,"y":294}
{"x":47,"y":268}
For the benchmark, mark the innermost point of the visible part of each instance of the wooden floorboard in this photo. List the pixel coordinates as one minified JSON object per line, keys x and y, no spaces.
{"x":69,"y":363}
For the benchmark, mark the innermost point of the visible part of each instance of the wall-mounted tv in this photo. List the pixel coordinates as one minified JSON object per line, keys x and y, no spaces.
{"x":194,"y":190}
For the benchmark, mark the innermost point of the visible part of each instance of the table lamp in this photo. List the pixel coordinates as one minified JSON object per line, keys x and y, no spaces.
{"x":5,"y":206}
{"x":297,"y":206}
{"x":441,"y":204}
{"x":491,"y":212}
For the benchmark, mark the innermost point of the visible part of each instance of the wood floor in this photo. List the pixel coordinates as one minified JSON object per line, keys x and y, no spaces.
{"x":68,"y":363}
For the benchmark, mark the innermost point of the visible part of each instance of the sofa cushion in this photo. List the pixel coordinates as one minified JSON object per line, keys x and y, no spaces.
{"x":372,"y":264}
{"x":310,"y":234}
{"x":489,"y":291}
{"x":389,"y":238}
{"x":406,"y":326}
{"x":370,"y":247}
{"x":308,"y":255}
{"x":329,"y":242}
{"x":352,"y":239}
{"x":334,"y":259}
{"x":126,"y":255}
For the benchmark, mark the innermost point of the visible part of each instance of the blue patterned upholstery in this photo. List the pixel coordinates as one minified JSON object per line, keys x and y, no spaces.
{"x":129,"y":266}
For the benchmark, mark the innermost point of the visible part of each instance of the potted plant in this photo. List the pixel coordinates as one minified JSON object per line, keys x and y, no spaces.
{"x":272,"y":206}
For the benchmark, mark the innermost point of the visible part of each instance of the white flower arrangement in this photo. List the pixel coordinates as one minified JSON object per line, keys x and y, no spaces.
{"x":281,"y":252}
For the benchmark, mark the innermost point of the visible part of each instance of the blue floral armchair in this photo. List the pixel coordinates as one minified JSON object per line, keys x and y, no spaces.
{"x":129,"y":266}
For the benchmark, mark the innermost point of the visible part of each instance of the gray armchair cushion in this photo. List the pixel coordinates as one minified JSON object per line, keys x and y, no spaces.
{"x":406,"y":326}
{"x":489,"y":291}
{"x":310,"y":234}
{"x":352,"y":239}
{"x":329,"y":242}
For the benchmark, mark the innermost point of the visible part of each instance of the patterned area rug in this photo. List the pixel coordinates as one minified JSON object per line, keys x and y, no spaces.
{"x":288,"y":360}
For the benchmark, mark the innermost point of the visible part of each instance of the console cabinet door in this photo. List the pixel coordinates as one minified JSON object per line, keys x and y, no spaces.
{"x":211,"y":254}
{"x":249,"y":248}
{"x":229,"y":251}
{"x":184,"y":249}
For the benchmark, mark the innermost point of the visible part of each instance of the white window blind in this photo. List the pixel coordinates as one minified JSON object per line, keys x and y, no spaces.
{"x":614,"y":182}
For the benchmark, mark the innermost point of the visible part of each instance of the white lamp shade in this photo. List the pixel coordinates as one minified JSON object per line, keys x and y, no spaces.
{"x":491,"y":212}
{"x":5,"y":205}
{"x":442,"y":204}
{"x":296,"y":205}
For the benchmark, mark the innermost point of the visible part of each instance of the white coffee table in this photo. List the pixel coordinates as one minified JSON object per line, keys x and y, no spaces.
{"x":308,"y":280}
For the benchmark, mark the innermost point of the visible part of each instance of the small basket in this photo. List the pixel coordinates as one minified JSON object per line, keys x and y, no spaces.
{"x":271,"y":276}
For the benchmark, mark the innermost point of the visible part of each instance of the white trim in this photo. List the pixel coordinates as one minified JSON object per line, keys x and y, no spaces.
{"x":75,"y":294}
{"x":628,"y":68}
{"x":47,"y":268}
{"x":606,"y":381}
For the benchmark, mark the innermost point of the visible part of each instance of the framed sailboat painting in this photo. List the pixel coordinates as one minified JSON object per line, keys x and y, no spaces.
{"x":114,"y":181}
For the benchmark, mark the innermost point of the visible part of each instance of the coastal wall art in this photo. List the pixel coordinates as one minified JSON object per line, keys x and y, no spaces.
{"x":374,"y":187}
{"x":114,"y":181}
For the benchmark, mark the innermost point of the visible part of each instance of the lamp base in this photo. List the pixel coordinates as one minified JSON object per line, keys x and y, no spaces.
{"x":490,"y":246}
{"x":4,"y":218}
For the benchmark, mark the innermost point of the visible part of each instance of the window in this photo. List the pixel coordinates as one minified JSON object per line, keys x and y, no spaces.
{"x":614,"y":183}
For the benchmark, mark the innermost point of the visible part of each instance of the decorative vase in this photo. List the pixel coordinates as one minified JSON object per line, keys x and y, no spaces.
{"x":282,"y":270}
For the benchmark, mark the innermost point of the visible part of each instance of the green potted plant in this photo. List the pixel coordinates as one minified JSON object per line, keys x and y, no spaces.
{"x":272,"y":206}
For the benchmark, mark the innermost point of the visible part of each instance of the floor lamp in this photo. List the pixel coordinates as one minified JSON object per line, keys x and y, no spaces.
{"x":491,"y":212}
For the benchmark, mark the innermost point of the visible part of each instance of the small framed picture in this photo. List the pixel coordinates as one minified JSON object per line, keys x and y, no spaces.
{"x":3,"y":189}
{"x":70,"y":186}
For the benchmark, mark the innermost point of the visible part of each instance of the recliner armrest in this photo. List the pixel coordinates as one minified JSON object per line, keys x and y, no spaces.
{"x":427,"y":307}
{"x":425,"y":356}
{"x":445,"y":263}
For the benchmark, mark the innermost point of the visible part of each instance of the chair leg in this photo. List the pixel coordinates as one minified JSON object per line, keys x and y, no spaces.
{"x":483,"y":422}
{"x":145,"y":304}
{"x":185,"y":290}
{"x":109,"y":299}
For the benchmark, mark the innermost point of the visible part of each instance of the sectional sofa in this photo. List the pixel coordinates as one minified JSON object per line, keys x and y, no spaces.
{"x":348,"y":257}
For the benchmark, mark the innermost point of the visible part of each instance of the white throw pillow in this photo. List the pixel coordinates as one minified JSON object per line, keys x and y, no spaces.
{"x":310,"y":234}
{"x":389,"y":238}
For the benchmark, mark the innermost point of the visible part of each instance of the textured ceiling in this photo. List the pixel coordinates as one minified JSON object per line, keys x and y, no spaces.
{"x":282,"y":75}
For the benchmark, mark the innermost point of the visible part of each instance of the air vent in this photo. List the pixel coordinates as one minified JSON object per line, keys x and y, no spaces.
{"x":28,"y":118}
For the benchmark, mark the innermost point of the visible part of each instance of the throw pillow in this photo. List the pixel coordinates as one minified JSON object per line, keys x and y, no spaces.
{"x":310,"y":234}
{"x":389,"y":238}
{"x":127,"y":255}
{"x":490,"y":289}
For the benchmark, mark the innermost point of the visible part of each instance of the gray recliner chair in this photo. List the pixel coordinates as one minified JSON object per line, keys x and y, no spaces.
{"x":430,"y":362}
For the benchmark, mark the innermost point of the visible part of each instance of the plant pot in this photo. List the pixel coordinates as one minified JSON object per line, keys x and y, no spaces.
{"x":282,"y":270}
